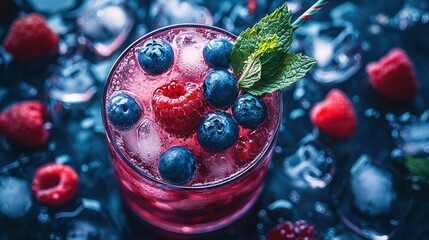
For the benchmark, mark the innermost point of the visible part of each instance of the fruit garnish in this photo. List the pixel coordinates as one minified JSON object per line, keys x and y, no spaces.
{"x":24,"y":123}
{"x":123,"y":111}
{"x":179,"y":106}
{"x":418,"y":167}
{"x":260,"y":57}
{"x":55,"y":184}
{"x":30,"y":38}
{"x":156,"y":57}
{"x":177,"y":165}
{"x":220,"y":88}
{"x":393,"y":76}
{"x":217,"y":131}
{"x":249,"y":111}
{"x":248,"y":147}
{"x":335,"y":115}
{"x":216,"y":53}
{"x":299,"y":230}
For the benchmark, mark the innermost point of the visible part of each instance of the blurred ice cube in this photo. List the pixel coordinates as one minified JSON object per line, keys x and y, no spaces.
{"x":311,"y":166}
{"x":50,"y":6}
{"x":347,"y":11}
{"x":15,"y":197}
{"x":337,"y":49}
{"x":167,"y":12}
{"x":307,"y":93}
{"x":337,"y":234}
{"x":372,"y":200}
{"x":72,"y":83}
{"x":412,"y":135}
{"x":293,"y":5}
{"x":104,"y":26}
{"x":87,"y":221}
{"x":372,"y":188}
{"x":239,"y":19}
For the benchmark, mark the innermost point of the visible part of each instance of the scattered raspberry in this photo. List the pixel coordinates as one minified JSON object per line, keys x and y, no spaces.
{"x":249,"y":147}
{"x":335,"y":115}
{"x":393,"y":76}
{"x":300,"y":230}
{"x":23,"y":123}
{"x":179,"y":106}
{"x":55,"y":184}
{"x":30,"y":38}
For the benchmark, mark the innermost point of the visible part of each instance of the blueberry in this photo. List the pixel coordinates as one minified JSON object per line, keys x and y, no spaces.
{"x":156,"y":57}
{"x":217,"y":131}
{"x":177,"y":165}
{"x":216,"y":53}
{"x":123,"y":111}
{"x":249,"y":111}
{"x":220,"y":88}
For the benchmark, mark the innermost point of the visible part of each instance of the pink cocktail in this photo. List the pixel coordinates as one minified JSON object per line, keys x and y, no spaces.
{"x":224,"y":184}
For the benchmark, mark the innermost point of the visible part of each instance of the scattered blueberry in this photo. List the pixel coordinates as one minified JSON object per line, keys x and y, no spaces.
{"x":216,"y":53}
{"x":156,"y":57}
{"x":123,"y":111}
{"x":217,"y":131}
{"x":220,"y":88}
{"x":249,"y":111}
{"x":177,"y":165}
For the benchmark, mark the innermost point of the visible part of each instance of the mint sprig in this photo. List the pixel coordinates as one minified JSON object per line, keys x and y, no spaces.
{"x":418,"y":167}
{"x":260,"y":57}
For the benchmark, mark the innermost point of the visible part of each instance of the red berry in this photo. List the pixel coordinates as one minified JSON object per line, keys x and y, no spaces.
{"x":335,"y":115}
{"x":249,"y":147}
{"x":393,"y":76}
{"x":179,"y":106}
{"x":30,"y":38}
{"x":55,"y":184}
{"x":300,"y":230}
{"x":23,"y":123}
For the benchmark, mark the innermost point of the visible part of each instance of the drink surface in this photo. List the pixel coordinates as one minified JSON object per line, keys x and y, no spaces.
{"x":147,"y":140}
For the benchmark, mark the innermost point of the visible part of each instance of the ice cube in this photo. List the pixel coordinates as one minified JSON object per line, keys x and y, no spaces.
{"x":371,"y":187}
{"x":411,"y":136}
{"x":190,"y":62}
{"x":15,"y":197}
{"x":145,"y":142}
{"x":104,"y":26}
{"x":89,"y":220}
{"x":337,"y":49}
{"x":50,"y":6}
{"x":218,"y":167}
{"x":72,"y":83}
{"x":311,"y":166}
{"x":167,"y":12}
{"x":368,"y":199}
{"x":307,"y":93}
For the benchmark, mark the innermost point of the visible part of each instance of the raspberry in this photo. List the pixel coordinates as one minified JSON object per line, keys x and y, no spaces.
{"x":393,"y":76}
{"x":179,"y":106}
{"x":55,"y":184}
{"x":23,"y":123}
{"x":300,"y":230}
{"x":247,"y":148}
{"x":335,"y":115}
{"x":29,"y":38}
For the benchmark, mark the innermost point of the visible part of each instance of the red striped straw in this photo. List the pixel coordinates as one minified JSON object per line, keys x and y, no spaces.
{"x":309,"y":14}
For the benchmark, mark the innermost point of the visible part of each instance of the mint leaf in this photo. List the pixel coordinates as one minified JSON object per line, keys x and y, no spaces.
{"x":260,"y":57}
{"x":418,"y":167}
{"x":295,"y":66}
{"x":276,"y":25}
{"x":251,"y":74}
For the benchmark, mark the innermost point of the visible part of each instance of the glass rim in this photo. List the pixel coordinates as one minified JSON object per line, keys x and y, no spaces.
{"x":111,"y":141}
